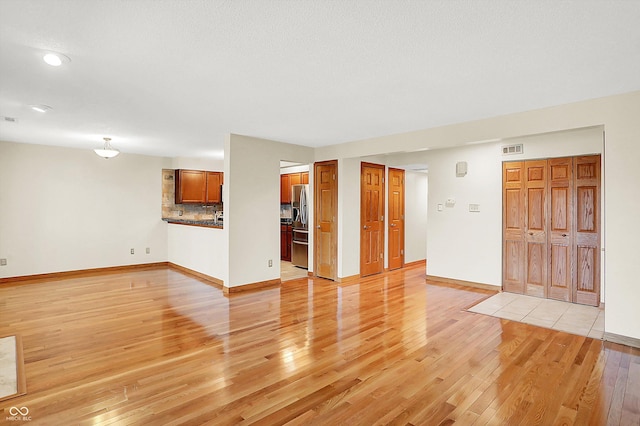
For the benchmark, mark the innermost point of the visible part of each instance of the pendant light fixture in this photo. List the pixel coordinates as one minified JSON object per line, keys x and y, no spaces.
{"x":107,"y":151}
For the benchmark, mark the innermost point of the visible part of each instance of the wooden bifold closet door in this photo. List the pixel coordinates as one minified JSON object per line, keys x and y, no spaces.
{"x":551,"y":228}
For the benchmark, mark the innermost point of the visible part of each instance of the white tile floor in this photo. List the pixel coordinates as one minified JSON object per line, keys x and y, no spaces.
{"x":8,"y":372}
{"x":289,"y":272}
{"x":569,"y":317}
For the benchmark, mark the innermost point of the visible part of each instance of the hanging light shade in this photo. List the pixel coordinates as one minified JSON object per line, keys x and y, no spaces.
{"x":107,"y":151}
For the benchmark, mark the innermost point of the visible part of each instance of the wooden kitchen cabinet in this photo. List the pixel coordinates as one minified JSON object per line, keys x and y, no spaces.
{"x":285,"y":189}
{"x":214,"y":190}
{"x":287,"y":181}
{"x":296,"y":179}
{"x":286,"y":238}
{"x":191,"y":186}
{"x":198,"y":187}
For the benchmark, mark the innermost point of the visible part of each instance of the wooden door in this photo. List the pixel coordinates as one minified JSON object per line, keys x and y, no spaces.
{"x":587,"y":230}
{"x":325,"y":214}
{"x":535,"y":248}
{"x":396,"y":218}
{"x":371,"y":219}
{"x":560,"y":216}
{"x":513,"y":228}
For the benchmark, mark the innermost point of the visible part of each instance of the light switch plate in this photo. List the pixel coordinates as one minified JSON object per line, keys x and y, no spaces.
{"x":440,"y":207}
{"x":3,"y":262}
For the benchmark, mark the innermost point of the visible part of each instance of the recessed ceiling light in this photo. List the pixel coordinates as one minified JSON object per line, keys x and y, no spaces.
{"x":56,"y":59}
{"x":40,"y":108}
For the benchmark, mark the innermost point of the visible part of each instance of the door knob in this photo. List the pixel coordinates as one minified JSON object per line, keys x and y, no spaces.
{"x":564,"y":235}
{"x":393,"y":224}
{"x":318,"y":226}
{"x":365,"y":227}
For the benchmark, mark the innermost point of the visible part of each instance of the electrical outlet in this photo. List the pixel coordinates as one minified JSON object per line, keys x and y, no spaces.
{"x":3,"y":262}
{"x":270,"y":263}
{"x":133,"y":251}
{"x":148,"y":250}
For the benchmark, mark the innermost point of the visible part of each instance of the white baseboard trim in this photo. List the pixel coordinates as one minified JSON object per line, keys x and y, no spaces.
{"x":623,"y":340}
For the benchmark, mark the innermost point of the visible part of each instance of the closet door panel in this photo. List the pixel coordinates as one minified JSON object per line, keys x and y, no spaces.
{"x":513,"y":268}
{"x":587,"y":230}
{"x":536,"y":261}
{"x":560,"y":228}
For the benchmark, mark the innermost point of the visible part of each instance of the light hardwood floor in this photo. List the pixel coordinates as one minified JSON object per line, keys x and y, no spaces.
{"x":157,"y":347}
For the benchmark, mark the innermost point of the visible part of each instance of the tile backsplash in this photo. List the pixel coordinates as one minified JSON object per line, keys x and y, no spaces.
{"x":171,"y":210}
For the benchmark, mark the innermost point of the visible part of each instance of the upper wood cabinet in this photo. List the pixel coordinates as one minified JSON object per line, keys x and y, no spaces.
{"x":198,"y":187}
{"x":214,"y":193}
{"x":191,"y":186}
{"x":285,"y":189}
{"x":287,"y":181}
{"x":296,"y":179}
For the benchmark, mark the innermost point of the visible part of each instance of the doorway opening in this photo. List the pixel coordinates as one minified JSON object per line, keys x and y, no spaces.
{"x":294,"y":220}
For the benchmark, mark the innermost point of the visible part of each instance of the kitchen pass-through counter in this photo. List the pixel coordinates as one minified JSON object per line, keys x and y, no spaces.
{"x":190,"y":222}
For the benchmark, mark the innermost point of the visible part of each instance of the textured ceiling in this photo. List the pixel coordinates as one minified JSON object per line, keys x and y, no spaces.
{"x":173,"y":77}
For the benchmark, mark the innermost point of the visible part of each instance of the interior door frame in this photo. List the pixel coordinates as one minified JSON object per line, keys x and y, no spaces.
{"x":316,"y":217}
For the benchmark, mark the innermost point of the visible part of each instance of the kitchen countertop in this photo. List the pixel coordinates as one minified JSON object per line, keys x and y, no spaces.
{"x":204,"y":223}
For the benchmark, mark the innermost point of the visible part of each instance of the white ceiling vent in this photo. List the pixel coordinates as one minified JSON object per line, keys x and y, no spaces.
{"x":10,"y":119}
{"x":513,"y":149}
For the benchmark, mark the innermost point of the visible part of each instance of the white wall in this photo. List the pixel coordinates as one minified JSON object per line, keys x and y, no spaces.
{"x":193,"y":163}
{"x":460,"y":244}
{"x":566,"y":143}
{"x":348,"y":217}
{"x":295,"y":169}
{"x":201,"y":249}
{"x":252,"y":205}
{"x":622,"y":204}
{"x":64,"y":209}
{"x":415,"y":234}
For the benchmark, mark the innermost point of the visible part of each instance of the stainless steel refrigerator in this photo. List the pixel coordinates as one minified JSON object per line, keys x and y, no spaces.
{"x":300,"y":215}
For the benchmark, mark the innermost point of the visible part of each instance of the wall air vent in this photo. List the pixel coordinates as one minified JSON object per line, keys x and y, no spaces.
{"x":513,"y":149}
